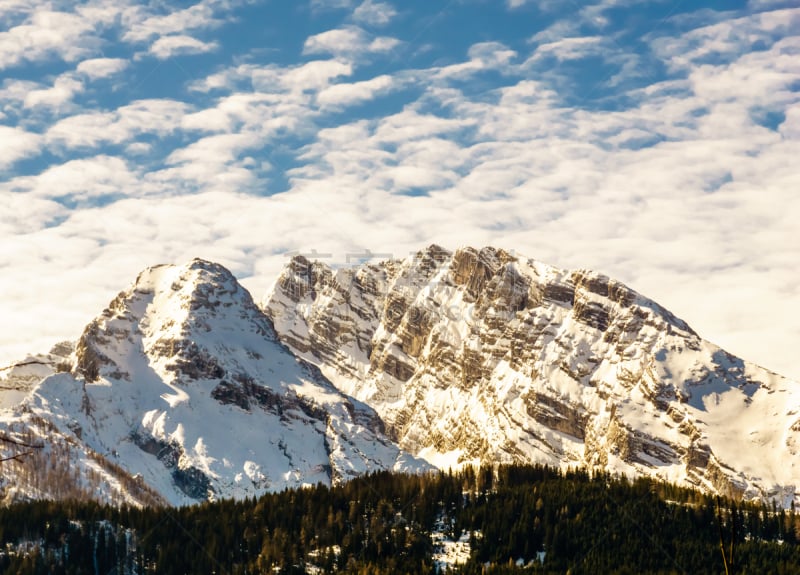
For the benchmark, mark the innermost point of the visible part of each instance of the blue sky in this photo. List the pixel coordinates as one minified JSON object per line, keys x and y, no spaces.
{"x":653,"y":141}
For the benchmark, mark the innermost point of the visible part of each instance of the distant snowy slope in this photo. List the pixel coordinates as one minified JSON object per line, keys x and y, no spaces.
{"x":183,"y":384}
{"x":17,"y":380}
{"x":483,"y":356}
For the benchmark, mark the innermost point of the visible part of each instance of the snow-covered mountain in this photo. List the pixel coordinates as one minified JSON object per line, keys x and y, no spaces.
{"x":180,"y":391}
{"x":183,"y":389}
{"x":483,"y":356}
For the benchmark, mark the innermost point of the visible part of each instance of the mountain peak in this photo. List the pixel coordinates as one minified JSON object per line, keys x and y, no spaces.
{"x":183,"y":389}
{"x":182,"y":380}
{"x":483,"y":355}
{"x":168,"y":310}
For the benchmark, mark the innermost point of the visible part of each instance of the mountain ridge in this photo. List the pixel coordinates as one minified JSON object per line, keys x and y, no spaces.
{"x":183,"y":389}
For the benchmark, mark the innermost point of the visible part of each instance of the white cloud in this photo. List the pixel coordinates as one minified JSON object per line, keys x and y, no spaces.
{"x":273,"y":102}
{"x":236,"y":112}
{"x":491,"y":53}
{"x":57,"y":96}
{"x":374,"y":13}
{"x":87,"y":130}
{"x":552,"y":47}
{"x":96,"y":68}
{"x":726,"y":40}
{"x":334,"y":41}
{"x":155,"y":116}
{"x":348,"y":42}
{"x":138,"y":148}
{"x":9,"y":7}
{"x":47,"y":34}
{"x":15,"y":144}
{"x":311,"y":76}
{"x":216,"y":162}
{"x":80,"y":181}
{"x":143,"y":26}
{"x":483,"y":56}
{"x":570,"y":48}
{"x":410,"y":125}
{"x":382,"y":44}
{"x":315,"y":75}
{"x":218,"y":149}
{"x":169,"y":46}
{"x":22,"y":214}
{"x":790,"y":127}
{"x":357,"y":92}
{"x":14,"y":92}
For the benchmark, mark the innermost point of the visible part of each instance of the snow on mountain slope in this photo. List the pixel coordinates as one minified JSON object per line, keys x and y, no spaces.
{"x":480,"y":355}
{"x":17,"y":380}
{"x":182,"y":383}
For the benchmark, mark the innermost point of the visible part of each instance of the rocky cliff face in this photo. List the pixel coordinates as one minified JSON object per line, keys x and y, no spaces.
{"x":483,"y":356}
{"x":182,"y":383}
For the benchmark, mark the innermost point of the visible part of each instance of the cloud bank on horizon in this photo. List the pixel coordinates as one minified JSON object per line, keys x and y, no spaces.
{"x":655,"y":141}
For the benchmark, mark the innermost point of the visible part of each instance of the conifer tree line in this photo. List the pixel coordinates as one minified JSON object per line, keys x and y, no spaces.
{"x":518,"y":519}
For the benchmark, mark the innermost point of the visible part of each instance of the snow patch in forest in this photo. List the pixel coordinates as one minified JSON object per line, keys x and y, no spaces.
{"x":449,"y":552}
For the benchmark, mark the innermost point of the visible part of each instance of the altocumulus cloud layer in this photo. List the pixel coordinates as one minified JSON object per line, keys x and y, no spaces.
{"x":654,"y":141}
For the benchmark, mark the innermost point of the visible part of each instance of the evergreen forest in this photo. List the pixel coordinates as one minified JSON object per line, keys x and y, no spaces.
{"x":508,"y":519}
